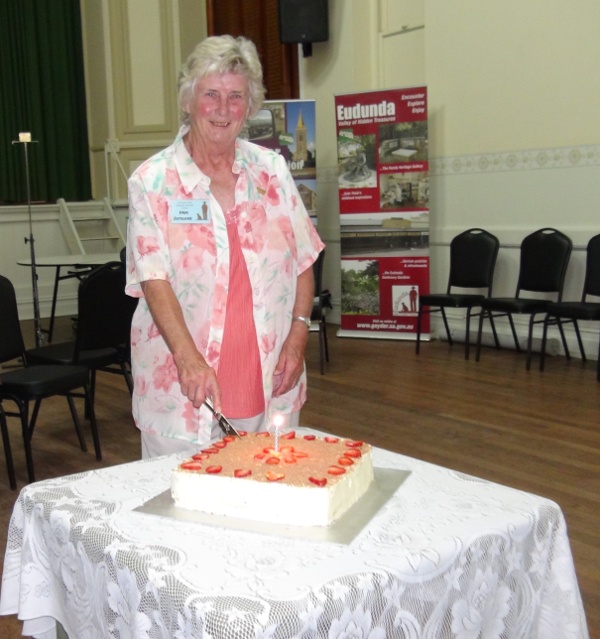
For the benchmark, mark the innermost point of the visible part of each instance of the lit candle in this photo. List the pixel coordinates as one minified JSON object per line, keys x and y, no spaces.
{"x":278,"y":422}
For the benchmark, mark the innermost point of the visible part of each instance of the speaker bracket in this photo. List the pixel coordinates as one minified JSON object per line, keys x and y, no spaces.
{"x":307,"y":49}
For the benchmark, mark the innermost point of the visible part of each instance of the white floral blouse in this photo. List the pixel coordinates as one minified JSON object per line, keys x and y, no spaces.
{"x":177,"y":232}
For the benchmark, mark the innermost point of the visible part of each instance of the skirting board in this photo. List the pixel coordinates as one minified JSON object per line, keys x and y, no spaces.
{"x":506,"y":341}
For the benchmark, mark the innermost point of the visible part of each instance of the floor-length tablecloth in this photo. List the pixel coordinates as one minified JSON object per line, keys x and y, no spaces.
{"x":448,"y":556}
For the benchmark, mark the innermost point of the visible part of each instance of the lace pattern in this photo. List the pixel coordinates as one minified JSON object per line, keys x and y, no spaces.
{"x":448,"y":556}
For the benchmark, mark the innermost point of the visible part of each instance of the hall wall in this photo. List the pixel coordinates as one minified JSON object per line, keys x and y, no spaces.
{"x":513,"y":101}
{"x":513,"y":127}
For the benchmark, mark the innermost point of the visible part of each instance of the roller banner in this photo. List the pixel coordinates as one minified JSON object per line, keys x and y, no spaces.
{"x":383,"y":180}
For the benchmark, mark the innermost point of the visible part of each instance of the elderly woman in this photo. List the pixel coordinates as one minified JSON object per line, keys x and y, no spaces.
{"x":220,"y":251}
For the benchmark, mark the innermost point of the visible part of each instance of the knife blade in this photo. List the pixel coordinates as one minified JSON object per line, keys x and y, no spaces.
{"x":225,"y":425}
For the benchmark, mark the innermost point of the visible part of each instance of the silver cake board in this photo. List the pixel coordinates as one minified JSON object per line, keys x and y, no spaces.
{"x":341,"y":531}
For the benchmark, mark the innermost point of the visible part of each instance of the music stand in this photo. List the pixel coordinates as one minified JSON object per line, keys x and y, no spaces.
{"x":25,"y":140}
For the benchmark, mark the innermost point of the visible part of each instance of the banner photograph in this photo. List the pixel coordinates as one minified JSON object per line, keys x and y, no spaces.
{"x":288,"y":127}
{"x":383,"y":180}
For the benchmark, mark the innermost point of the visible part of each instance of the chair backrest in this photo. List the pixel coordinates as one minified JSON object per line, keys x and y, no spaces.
{"x":544,"y":259}
{"x":318,"y":272}
{"x":592,"y":268}
{"x":104,"y":310}
{"x":317,"y":266}
{"x":11,"y":337}
{"x":473,"y":256}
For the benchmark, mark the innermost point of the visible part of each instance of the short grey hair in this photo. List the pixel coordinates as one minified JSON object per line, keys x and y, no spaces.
{"x":221,"y":54}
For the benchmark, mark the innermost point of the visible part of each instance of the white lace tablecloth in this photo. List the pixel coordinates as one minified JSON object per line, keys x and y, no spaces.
{"x":447,"y":556}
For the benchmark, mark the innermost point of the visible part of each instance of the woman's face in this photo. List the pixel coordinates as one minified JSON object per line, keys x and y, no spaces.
{"x":220,"y":107}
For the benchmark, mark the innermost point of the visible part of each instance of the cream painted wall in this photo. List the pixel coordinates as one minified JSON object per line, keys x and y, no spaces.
{"x":514,"y":134}
{"x":192,"y":25}
{"x":514,"y":98}
{"x":513,"y":110}
{"x":147,"y":77}
{"x":98,"y":88}
{"x":512,"y":75}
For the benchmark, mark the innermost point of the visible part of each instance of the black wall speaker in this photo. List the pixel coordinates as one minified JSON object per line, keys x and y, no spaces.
{"x":303,"y":21}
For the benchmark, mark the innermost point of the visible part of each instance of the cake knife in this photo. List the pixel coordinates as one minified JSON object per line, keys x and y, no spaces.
{"x":226,"y":426}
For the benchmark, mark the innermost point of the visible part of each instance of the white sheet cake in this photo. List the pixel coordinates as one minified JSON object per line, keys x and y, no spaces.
{"x":308,"y":481}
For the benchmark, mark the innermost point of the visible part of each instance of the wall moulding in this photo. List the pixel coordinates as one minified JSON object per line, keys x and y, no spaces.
{"x":528,"y":159}
{"x":144,"y":72}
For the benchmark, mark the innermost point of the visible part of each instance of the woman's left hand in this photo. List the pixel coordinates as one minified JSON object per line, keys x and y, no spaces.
{"x":290,"y":366}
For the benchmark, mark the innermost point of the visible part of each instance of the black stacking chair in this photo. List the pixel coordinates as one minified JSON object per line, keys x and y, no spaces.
{"x":317,"y":316}
{"x":473,"y":256}
{"x":125,"y":349}
{"x":560,"y":313}
{"x":103,"y":327}
{"x":543,"y":265}
{"x":26,"y":383}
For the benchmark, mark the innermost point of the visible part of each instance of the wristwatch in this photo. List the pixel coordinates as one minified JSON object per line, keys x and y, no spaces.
{"x":300,"y":318}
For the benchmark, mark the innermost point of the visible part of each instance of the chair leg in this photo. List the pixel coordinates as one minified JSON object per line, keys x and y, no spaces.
{"x":598,"y":366}
{"x":92,"y":386}
{"x":93,"y":425}
{"x":514,"y":332}
{"x":34,"y":416}
{"x":448,"y":335}
{"x":325,"y":340}
{"x":563,"y":339}
{"x":494,"y":332}
{"x":24,"y":414}
{"x":77,"y":424}
{"x":419,"y":319}
{"x":321,"y":349}
{"x":467,"y":333}
{"x":479,"y":332}
{"x":127,"y":375}
{"x":128,"y":379}
{"x":482,"y":315}
{"x":579,"y":342}
{"x":10,"y":466}
{"x":529,"y":342}
{"x":543,"y":346}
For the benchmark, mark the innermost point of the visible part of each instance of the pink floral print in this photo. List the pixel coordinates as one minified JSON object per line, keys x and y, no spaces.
{"x":278,"y":243}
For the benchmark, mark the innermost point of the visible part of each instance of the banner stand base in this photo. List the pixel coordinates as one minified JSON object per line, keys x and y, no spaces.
{"x":409,"y":337}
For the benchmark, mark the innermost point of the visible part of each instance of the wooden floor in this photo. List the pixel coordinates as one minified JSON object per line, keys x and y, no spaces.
{"x":538,"y":432}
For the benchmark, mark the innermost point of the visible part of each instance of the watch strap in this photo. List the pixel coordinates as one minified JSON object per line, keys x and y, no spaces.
{"x":301,"y":318}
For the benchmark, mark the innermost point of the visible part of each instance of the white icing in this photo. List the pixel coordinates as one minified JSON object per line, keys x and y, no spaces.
{"x":294,"y":500}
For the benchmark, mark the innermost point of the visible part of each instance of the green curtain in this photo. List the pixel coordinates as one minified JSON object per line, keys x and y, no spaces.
{"x":42,"y":91}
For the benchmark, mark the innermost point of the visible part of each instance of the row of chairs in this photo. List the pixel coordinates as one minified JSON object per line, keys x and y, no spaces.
{"x":544,"y":257}
{"x":101,"y":343}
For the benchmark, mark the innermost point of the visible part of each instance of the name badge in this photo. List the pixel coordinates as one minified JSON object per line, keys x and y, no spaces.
{"x":189,"y":211}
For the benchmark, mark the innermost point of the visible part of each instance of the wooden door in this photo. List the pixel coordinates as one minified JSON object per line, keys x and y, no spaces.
{"x":258,"y":21}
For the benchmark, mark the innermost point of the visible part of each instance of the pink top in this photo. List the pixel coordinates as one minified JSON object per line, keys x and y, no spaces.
{"x":239,"y":373}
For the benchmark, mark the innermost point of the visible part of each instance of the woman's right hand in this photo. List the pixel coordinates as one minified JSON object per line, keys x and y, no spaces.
{"x":197,"y":379}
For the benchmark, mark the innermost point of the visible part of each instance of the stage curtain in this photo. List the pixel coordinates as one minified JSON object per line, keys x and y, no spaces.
{"x":42,"y":91}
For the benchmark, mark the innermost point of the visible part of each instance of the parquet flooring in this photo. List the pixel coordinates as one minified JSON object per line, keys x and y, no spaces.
{"x":537,"y":432}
